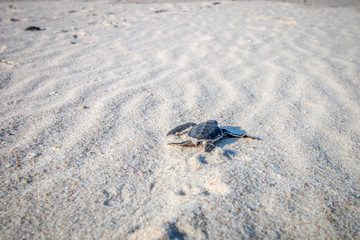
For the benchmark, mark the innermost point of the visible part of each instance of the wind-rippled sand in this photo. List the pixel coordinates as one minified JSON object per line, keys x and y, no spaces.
{"x":86,"y":104}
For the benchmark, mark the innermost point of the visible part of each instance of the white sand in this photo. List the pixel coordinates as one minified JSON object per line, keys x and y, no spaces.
{"x":86,"y":103}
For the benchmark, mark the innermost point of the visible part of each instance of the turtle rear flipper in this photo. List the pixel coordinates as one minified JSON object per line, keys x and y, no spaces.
{"x":180,"y":129}
{"x":188,"y":143}
{"x":231,"y":134}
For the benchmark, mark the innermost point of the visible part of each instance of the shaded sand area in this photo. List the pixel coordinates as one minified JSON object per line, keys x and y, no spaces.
{"x":86,"y":104}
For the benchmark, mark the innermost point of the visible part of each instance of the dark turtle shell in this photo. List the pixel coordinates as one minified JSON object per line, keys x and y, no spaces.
{"x":206,"y":131}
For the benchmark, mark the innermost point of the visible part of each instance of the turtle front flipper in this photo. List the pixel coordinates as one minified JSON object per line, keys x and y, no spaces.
{"x":231,"y":134}
{"x":209,"y":146}
{"x":180,"y":129}
{"x":188,"y":143}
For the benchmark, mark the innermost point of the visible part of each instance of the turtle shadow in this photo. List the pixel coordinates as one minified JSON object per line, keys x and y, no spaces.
{"x":202,"y":159}
{"x":229,"y":154}
{"x":226,"y":140}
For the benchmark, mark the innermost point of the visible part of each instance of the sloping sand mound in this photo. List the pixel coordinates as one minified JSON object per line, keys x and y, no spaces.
{"x":87,"y":101}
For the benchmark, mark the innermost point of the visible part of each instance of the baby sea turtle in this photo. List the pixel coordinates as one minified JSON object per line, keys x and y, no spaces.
{"x":206,"y":134}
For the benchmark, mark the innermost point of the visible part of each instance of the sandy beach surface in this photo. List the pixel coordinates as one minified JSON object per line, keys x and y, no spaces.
{"x":86,"y":102}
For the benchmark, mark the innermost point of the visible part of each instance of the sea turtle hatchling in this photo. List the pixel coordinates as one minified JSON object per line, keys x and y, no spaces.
{"x":206,"y":134}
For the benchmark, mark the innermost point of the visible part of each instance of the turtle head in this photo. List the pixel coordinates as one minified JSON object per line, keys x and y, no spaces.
{"x":212,"y":121}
